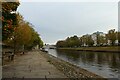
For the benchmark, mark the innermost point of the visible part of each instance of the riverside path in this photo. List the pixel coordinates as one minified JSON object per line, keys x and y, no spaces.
{"x":31,"y":65}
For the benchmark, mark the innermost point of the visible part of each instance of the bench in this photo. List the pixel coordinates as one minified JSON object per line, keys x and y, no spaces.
{"x":8,"y":54}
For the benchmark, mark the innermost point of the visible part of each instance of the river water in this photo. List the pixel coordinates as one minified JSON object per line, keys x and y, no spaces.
{"x":104,"y":64}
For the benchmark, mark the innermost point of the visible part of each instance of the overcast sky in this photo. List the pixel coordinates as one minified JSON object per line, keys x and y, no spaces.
{"x":57,"y":20}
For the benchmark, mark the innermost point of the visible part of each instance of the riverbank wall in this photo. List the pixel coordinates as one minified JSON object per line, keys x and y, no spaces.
{"x":95,"y":49}
{"x":70,"y":70}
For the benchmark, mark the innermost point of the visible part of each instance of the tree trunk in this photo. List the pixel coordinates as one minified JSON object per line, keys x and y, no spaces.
{"x":112,"y":43}
{"x":14,"y":50}
{"x":23,"y":49}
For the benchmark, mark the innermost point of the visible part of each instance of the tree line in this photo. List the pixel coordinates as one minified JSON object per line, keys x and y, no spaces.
{"x":16,"y":32}
{"x":112,"y":38}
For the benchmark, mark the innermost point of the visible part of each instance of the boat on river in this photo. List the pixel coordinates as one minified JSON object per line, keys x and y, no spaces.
{"x":44,"y":49}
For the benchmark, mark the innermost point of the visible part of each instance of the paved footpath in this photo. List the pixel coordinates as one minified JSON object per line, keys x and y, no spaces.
{"x":31,"y":65}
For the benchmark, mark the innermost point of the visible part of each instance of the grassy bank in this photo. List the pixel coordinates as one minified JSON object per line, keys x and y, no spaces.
{"x":95,"y":49}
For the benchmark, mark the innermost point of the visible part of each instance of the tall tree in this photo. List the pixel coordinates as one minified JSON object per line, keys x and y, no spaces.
{"x":83,"y":40}
{"x":118,"y":37}
{"x":90,"y":41}
{"x":102,"y":40}
{"x":87,"y":40}
{"x":35,"y":39}
{"x":112,"y":36}
{"x":73,"y":41}
{"x":61,"y":44}
{"x":9,"y":18}
{"x":24,"y":36}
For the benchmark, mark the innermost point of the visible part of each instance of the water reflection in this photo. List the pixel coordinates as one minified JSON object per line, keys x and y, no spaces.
{"x":104,"y":64}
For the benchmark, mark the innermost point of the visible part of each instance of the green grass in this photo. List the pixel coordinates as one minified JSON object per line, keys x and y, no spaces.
{"x":113,"y":48}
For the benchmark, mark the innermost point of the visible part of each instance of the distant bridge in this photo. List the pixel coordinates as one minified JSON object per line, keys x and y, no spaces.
{"x":50,"y":46}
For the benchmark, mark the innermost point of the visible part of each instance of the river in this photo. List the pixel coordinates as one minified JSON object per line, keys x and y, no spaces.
{"x":103,"y":64}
